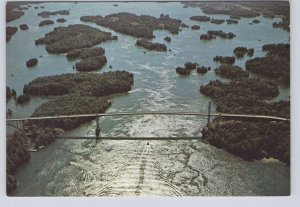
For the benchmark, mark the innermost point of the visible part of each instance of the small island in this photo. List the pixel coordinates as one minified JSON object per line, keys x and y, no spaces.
{"x":31,"y":62}
{"x":231,"y":72}
{"x":217,"y":21}
{"x":10,"y":31}
{"x":188,"y":67}
{"x":91,"y":63}
{"x":225,"y":59}
{"x":212,"y":34}
{"x":232,"y":21}
{"x":61,"y":20}
{"x":239,"y":52}
{"x":24,"y":27}
{"x":24,"y":98}
{"x":203,"y":69}
{"x":47,"y":14}
{"x":195,"y":27}
{"x":167,"y":39}
{"x":200,"y":18}
{"x":46,"y":22}
{"x":151,"y":46}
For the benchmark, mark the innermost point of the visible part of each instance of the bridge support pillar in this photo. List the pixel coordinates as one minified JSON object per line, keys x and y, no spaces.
{"x":209,"y":112}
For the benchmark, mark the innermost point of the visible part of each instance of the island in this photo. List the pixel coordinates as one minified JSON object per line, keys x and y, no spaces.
{"x":134,"y":25}
{"x":31,"y":62}
{"x":11,"y":11}
{"x":200,"y":18}
{"x":217,"y":21}
{"x":168,"y":39}
{"x":203,"y":69}
{"x":239,"y":52}
{"x":61,"y":20}
{"x":151,"y":46}
{"x":224,"y":59}
{"x":91,"y":63}
{"x":78,"y":36}
{"x":46,"y":22}
{"x":188,"y":67}
{"x":275,"y":65}
{"x":10,"y":31}
{"x":231,"y":72}
{"x":212,"y":34}
{"x":47,"y":14}
{"x":24,"y":27}
{"x":232,"y":21}
{"x":80,"y":93}
{"x":195,"y":27}
{"x":248,"y":138}
{"x":24,"y":98}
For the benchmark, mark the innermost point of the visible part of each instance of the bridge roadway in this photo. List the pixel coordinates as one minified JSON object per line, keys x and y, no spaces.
{"x":151,"y":113}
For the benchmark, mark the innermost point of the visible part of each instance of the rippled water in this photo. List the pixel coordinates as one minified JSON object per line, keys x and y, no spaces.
{"x":162,"y":168}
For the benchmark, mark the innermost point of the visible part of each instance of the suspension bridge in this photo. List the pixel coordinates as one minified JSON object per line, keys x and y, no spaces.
{"x":19,"y":123}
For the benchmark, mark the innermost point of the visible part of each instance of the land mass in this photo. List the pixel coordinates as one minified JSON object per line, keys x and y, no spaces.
{"x":134,"y":25}
{"x":78,"y":36}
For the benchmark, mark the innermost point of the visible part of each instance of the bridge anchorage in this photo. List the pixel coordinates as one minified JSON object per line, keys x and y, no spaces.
{"x":19,"y":122}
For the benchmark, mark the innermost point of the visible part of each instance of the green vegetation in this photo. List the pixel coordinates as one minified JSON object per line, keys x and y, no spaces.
{"x":91,"y":63}
{"x":24,"y":27}
{"x":85,"y":53}
{"x":212,"y":34}
{"x":16,"y":156}
{"x":250,"y":139}
{"x":78,"y":36}
{"x":61,"y":20}
{"x":11,"y":12}
{"x":151,"y":46}
{"x":10,"y":93}
{"x":275,"y":65}
{"x":84,"y":84}
{"x":195,"y":27}
{"x":231,"y":72}
{"x":224,"y":60}
{"x":46,"y":22}
{"x":246,"y":137}
{"x":232,"y":21}
{"x":217,"y":21}
{"x":46,"y":14}
{"x":239,"y":52}
{"x":246,"y":96}
{"x":70,"y":105}
{"x":31,"y":62}
{"x":134,"y":25}
{"x":23,"y":98}
{"x":200,"y":18}
{"x":10,"y":31}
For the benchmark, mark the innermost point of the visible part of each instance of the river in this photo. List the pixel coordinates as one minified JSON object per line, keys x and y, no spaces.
{"x":135,"y":167}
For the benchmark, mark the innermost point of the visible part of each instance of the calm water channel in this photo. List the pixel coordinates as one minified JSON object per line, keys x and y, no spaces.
{"x":163,"y":168}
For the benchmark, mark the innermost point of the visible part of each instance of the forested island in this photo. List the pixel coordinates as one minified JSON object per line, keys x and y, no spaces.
{"x":231,"y":72}
{"x":275,"y":65}
{"x":78,"y":36}
{"x":134,"y":25}
{"x":80,"y":93}
{"x":151,"y":45}
{"x":248,"y":138}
